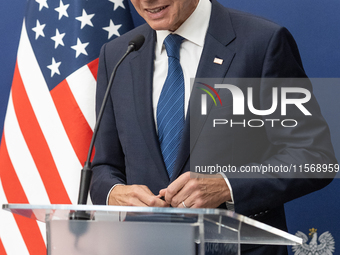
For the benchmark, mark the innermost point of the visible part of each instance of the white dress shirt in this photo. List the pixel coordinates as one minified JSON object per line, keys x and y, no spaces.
{"x":193,"y":30}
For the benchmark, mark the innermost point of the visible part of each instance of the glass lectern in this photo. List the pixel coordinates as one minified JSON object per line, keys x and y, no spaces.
{"x":144,"y":230}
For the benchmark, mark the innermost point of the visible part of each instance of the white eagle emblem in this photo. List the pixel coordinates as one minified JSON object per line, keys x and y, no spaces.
{"x":326,"y":246}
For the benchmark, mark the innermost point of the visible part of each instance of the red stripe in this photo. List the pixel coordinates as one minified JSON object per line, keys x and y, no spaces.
{"x":78,"y":130}
{"x":36,"y":143}
{"x":15,"y":194}
{"x":94,"y":67}
{"x":2,"y":248}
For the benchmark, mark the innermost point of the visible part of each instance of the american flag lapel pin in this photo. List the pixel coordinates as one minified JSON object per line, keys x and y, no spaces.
{"x":218,"y":61}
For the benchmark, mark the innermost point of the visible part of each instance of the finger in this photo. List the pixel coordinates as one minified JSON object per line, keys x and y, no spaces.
{"x":204,"y":193}
{"x":162,"y":192}
{"x":184,"y":195}
{"x":147,"y":197}
{"x":136,"y":202}
{"x":134,"y":195}
{"x":157,"y":202}
{"x":161,"y":203}
{"x":193,"y":193}
{"x":193,"y":200}
{"x":124,"y":197}
{"x":176,"y":186}
{"x":184,"y":204}
{"x":161,"y":197}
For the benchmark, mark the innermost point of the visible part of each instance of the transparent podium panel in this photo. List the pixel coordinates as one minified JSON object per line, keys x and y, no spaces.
{"x":151,"y":231}
{"x":99,"y":237}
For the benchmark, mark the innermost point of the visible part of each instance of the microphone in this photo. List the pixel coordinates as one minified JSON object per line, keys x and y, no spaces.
{"x":86,"y":172}
{"x":137,"y":42}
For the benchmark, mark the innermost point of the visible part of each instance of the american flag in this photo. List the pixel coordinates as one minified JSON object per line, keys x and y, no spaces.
{"x":50,"y":115}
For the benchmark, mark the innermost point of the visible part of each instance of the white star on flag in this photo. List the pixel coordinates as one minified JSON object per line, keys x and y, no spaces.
{"x":42,"y":3}
{"x":62,"y":10}
{"x":117,"y":3}
{"x":85,"y":19}
{"x":112,"y":29}
{"x":58,"y":38}
{"x":54,"y":67}
{"x":38,"y":29}
{"x":80,"y":48}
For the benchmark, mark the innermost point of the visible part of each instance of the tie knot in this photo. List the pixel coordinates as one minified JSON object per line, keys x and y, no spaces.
{"x":172,"y":44}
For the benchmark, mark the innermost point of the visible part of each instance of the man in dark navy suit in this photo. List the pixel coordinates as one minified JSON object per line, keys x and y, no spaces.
{"x":216,"y":42}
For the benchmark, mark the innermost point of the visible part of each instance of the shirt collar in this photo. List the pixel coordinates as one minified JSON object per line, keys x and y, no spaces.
{"x":193,"y":29}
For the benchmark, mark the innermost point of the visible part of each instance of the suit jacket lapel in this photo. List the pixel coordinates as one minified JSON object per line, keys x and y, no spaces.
{"x":142,"y":72}
{"x":217,"y":45}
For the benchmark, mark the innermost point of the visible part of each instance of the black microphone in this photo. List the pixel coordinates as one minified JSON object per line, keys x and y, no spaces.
{"x":86,"y":172}
{"x":137,"y":42}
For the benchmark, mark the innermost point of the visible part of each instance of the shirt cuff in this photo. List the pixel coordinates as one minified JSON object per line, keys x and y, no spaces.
{"x":229,"y":204}
{"x":108,"y":194}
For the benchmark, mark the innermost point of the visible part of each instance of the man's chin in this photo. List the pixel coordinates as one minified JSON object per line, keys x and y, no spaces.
{"x":161,"y":25}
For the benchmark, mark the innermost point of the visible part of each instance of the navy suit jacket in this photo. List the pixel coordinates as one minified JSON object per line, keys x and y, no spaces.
{"x":127,"y":147}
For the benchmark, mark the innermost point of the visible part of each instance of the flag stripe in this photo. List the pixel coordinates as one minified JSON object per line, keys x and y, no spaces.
{"x":2,"y":248}
{"x":94,"y":67}
{"x":37,"y":144}
{"x":45,"y":111}
{"x":15,"y":194}
{"x":10,"y":234}
{"x":22,"y":160}
{"x":23,"y":163}
{"x":75,"y":124}
{"x":83,"y":87}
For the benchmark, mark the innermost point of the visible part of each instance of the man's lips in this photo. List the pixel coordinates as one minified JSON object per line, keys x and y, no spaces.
{"x":156,"y":10}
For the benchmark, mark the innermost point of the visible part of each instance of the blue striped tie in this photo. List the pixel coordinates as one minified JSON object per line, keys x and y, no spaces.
{"x":170,"y":108}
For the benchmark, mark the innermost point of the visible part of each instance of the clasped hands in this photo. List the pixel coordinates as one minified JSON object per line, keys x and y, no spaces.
{"x":188,"y":190}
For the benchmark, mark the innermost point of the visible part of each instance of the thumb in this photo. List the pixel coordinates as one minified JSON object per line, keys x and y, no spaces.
{"x":162,"y":192}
